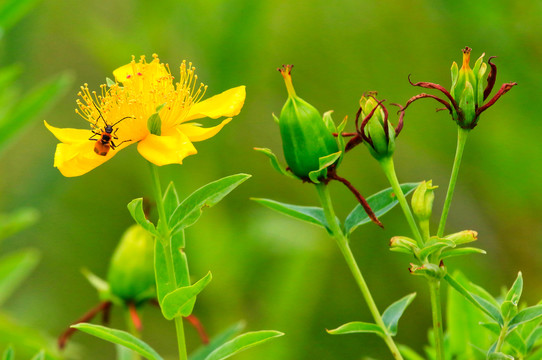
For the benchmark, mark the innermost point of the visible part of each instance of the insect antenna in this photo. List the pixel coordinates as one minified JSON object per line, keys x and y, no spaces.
{"x":124,"y":118}
{"x":101,"y":116}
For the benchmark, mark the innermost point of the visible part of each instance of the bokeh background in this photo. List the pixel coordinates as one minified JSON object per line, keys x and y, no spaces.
{"x":272,"y":271}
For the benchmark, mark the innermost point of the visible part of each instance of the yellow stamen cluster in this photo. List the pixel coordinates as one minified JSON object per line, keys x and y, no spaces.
{"x":140,"y":88}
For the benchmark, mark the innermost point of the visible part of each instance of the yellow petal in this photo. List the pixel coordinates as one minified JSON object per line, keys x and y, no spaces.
{"x":69,"y":136}
{"x":78,"y":159}
{"x":198,"y":133}
{"x":169,"y":148}
{"x":228,"y":103}
{"x":124,"y":72}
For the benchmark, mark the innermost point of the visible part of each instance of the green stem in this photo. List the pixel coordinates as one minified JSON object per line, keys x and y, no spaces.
{"x":342,"y":242}
{"x":502,"y":336}
{"x":434,"y":289}
{"x":461,"y":141}
{"x":389,"y":169}
{"x":165,"y":238}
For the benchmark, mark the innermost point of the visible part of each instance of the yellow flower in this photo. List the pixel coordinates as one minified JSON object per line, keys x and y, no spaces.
{"x":118,"y":117}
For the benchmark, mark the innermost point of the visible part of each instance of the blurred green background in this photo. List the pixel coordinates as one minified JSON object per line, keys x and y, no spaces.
{"x":272,"y":271}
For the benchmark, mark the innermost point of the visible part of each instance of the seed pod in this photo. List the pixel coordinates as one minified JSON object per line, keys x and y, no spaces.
{"x":305,"y":137}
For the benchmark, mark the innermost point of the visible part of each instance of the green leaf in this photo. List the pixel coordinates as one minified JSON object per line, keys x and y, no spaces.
{"x":312,"y":214}
{"x":18,"y":220}
{"x":381,"y":203}
{"x":513,"y":338}
{"x":119,"y":337}
{"x":173,"y":302}
{"x":357,"y":327}
{"x":9,"y":354}
{"x":324,"y":163}
{"x":328,"y":120}
{"x":394,"y":312}
{"x":476,"y":300}
{"x":109,"y":82}
{"x":526,"y":315}
{"x":14,"y":268}
{"x":460,"y":252}
{"x":135,"y":207}
{"x":514,"y":293}
{"x":123,"y":353}
{"x":242,"y":342}
{"x":434,"y":246}
{"x":104,"y":290}
{"x":39,"y":356}
{"x":154,"y":124}
{"x":463,"y":321}
{"x":163,"y":285}
{"x":533,"y":337}
{"x":276,"y":163}
{"x":189,"y":211}
{"x":217,"y":341}
{"x":31,"y":106}
{"x":171,"y":200}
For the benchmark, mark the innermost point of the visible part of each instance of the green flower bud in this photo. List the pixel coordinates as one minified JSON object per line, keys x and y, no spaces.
{"x":131,"y":272}
{"x":463,"y":237}
{"x":403,"y":244}
{"x":305,"y":137}
{"x":428,"y":270}
{"x":378,"y":132}
{"x":422,"y":200}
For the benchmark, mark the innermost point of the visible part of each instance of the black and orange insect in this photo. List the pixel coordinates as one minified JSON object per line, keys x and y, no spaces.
{"x":107,"y":134}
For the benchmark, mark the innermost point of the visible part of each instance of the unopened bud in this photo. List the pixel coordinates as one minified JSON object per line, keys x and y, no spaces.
{"x":463,"y":237}
{"x":403,"y":244}
{"x":422,"y":200}
{"x":131,"y":272}
{"x":378,"y":131}
{"x":305,"y":137}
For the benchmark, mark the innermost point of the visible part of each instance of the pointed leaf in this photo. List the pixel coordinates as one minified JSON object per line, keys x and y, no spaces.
{"x":98,"y":283}
{"x":242,"y":342}
{"x":31,"y":106}
{"x":460,"y":252}
{"x":276,"y":163}
{"x":526,"y":315}
{"x":39,"y":356}
{"x":328,"y":121}
{"x":217,"y":341}
{"x":119,"y":337}
{"x":163,"y":285}
{"x":381,"y":203}
{"x":499,"y":356}
{"x":135,"y":207}
{"x":14,"y":268}
{"x":9,"y":354}
{"x":189,"y":211}
{"x":357,"y":327}
{"x":438,"y":245}
{"x":533,"y":337}
{"x":514,"y":293}
{"x":171,"y":200}
{"x":482,"y":304}
{"x":324,"y":163}
{"x":18,"y":220}
{"x":173,"y":302}
{"x":394,"y":312}
{"x":312,"y":214}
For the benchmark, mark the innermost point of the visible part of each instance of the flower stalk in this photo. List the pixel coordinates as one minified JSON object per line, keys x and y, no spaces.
{"x":165,"y":239}
{"x":436,"y":312}
{"x":461,"y":141}
{"x":389,"y":170}
{"x":342,"y":243}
